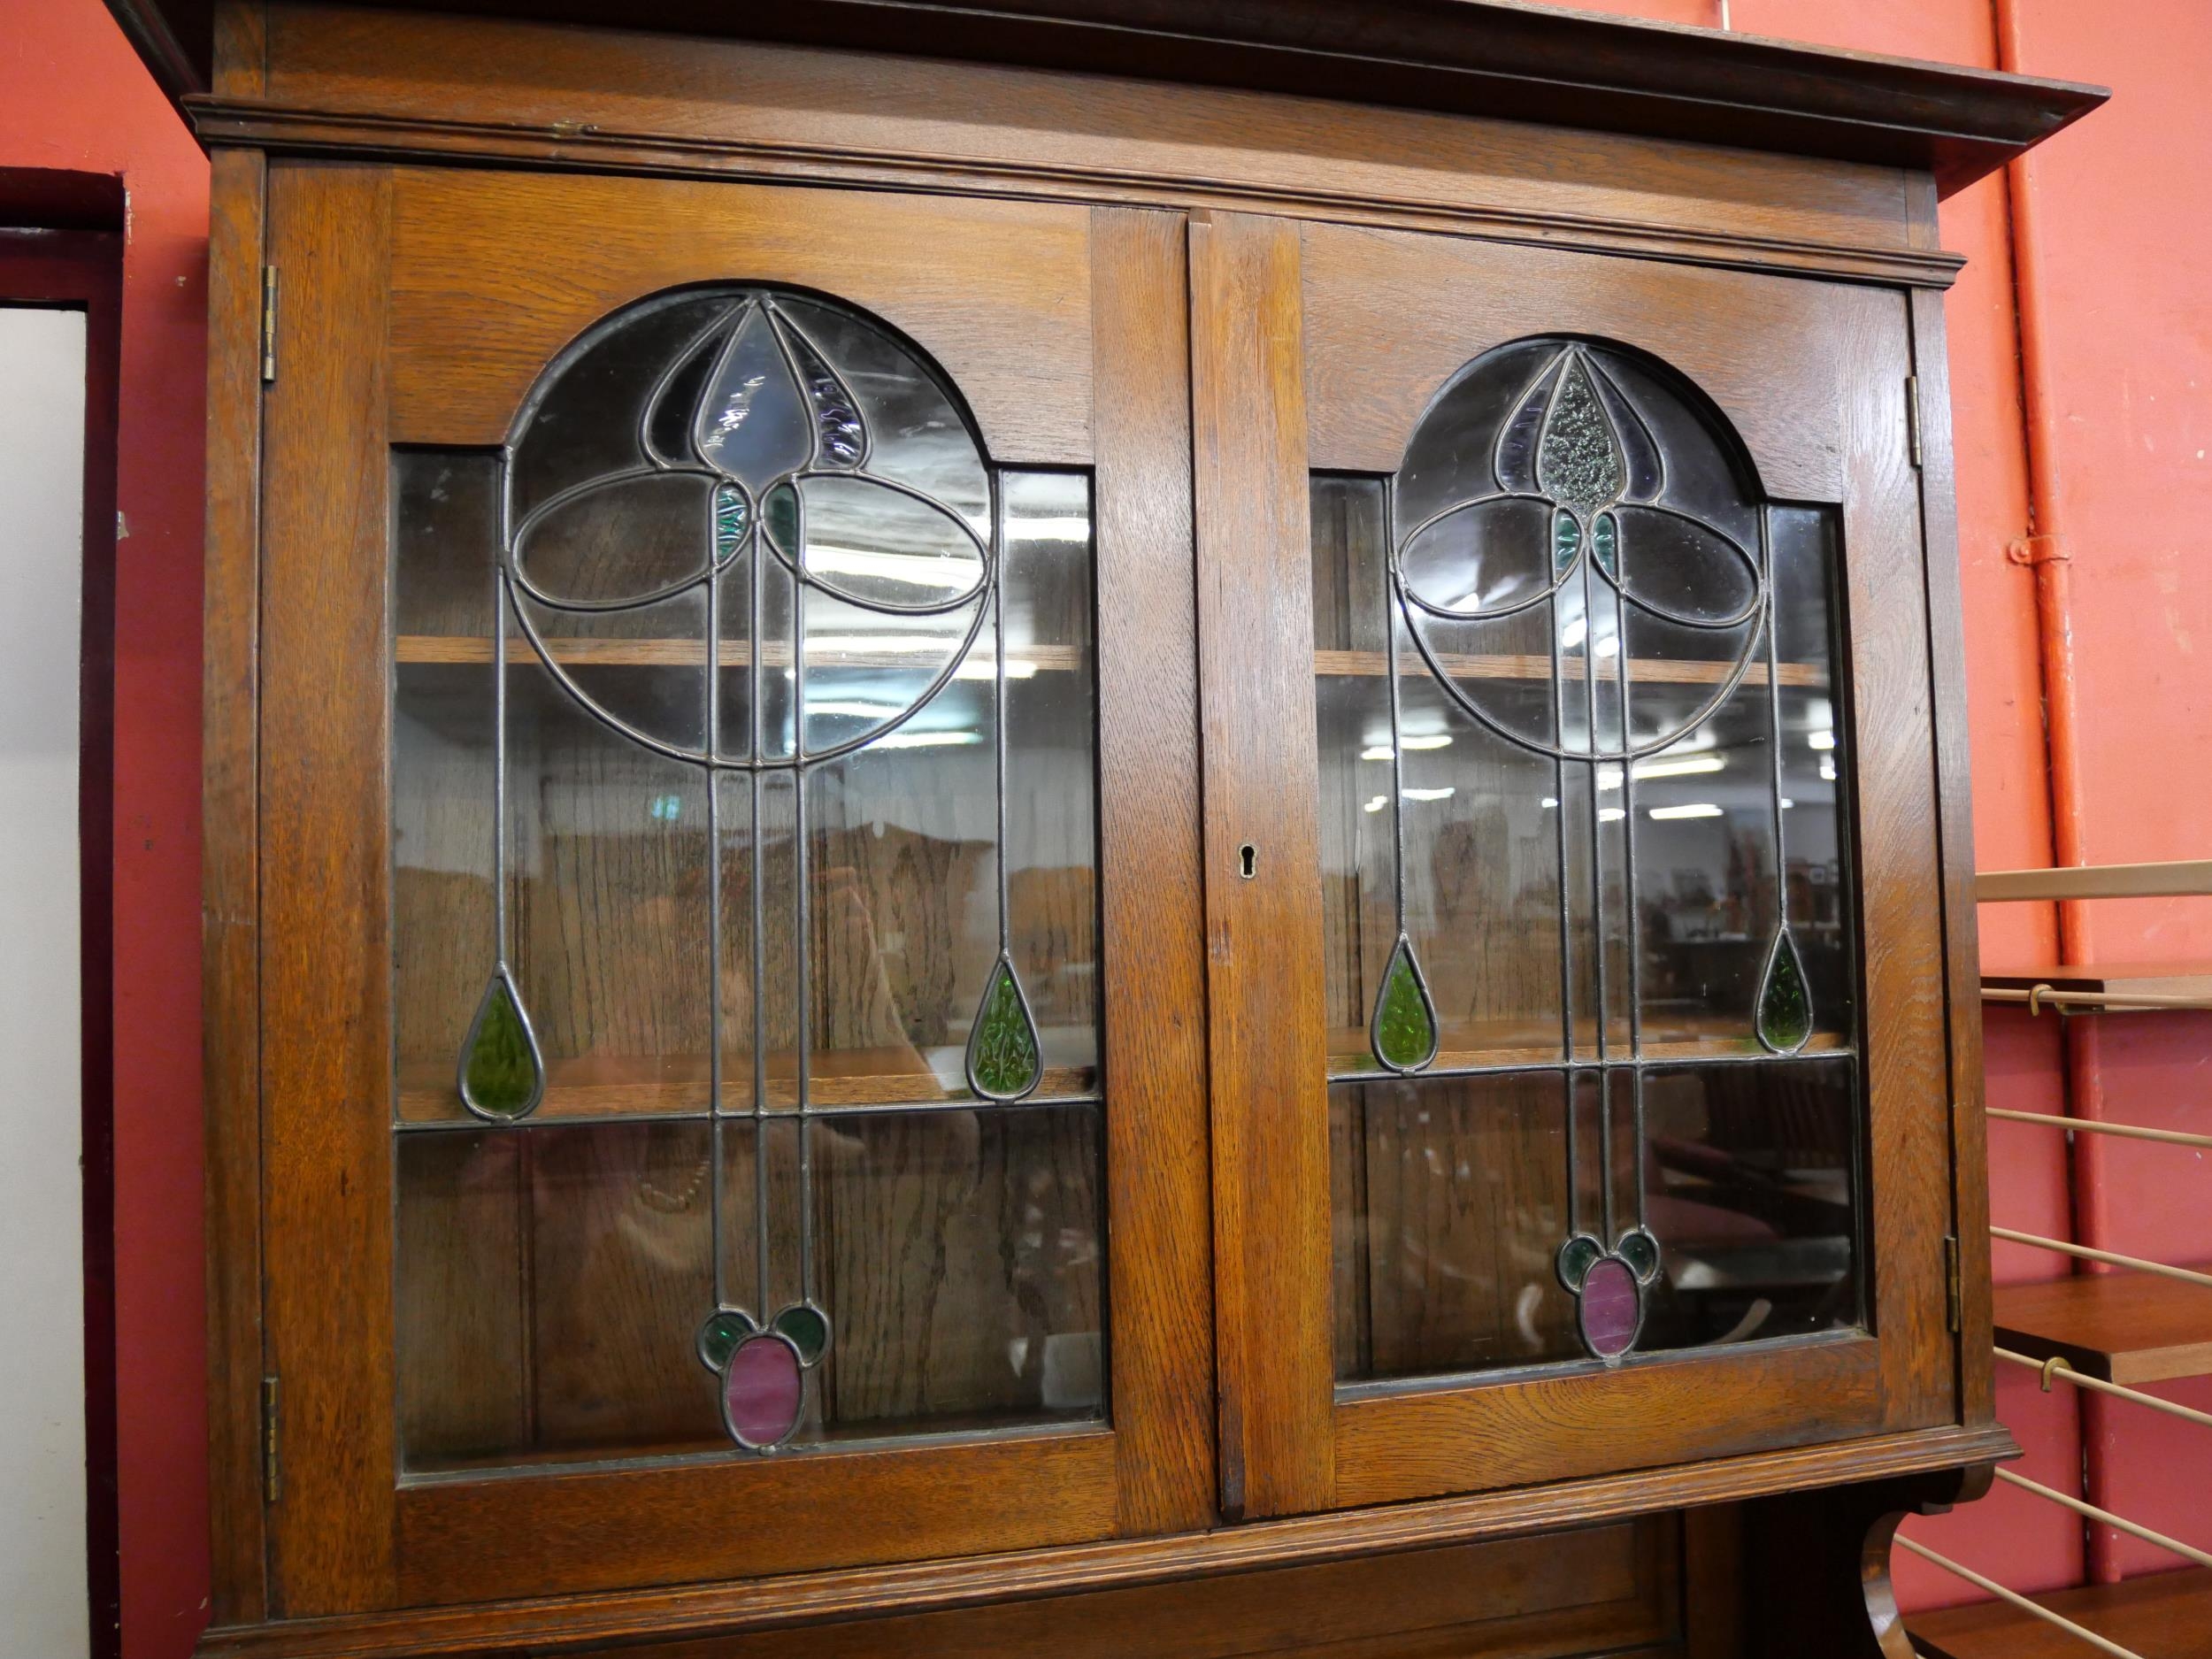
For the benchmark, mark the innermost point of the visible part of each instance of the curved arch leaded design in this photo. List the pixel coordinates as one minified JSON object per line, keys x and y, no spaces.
{"x":797,"y":488}
{"x":1568,"y":509}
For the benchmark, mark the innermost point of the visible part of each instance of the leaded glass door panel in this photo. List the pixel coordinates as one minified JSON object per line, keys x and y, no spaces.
{"x":1618,"y":1137}
{"x":725,"y":985}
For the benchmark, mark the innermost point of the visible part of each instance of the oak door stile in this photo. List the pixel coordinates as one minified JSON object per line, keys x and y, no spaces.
{"x":1263,"y":909}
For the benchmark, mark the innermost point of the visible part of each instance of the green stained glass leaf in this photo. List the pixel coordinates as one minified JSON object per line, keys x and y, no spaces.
{"x":1003,"y":1061}
{"x":782,"y":510}
{"x":1605,"y":544}
{"x":502,"y":1075}
{"x":719,"y":1336}
{"x":730,"y":516}
{"x":809,"y":1329}
{"x":1578,"y":456}
{"x":1404,"y":1033}
{"x":1566,"y":537}
{"x":1786,"y":1001}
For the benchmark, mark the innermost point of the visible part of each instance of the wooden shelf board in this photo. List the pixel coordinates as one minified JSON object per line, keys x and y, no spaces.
{"x":2164,"y":1615}
{"x":2096,"y":881}
{"x":625,"y":1086}
{"x":2111,"y":978}
{"x":1529,"y":1045}
{"x":2128,"y":1328}
{"x":1532,"y":666}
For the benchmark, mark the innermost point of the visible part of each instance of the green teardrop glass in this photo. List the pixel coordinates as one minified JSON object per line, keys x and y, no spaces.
{"x":1605,"y":544}
{"x":782,"y":510}
{"x":1004,"y":1063}
{"x":1404,"y":1032}
{"x":502,"y":1074}
{"x":1786,"y":1001}
{"x":1566,"y":536}
{"x":809,"y":1329}
{"x":730,"y":516}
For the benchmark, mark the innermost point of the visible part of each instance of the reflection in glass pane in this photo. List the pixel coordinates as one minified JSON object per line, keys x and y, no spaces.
{"x":1581,"y":825}
{"x":747,"y":872}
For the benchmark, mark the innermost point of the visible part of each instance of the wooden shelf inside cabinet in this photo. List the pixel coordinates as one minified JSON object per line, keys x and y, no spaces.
{"x":1507,"y":665}
{"x":2116,"y":980}
{"x":1534,"y":1043}
{"x":2127,"y":1328}
{"x":616,"y":1086}
{"x":2168,"y":1614}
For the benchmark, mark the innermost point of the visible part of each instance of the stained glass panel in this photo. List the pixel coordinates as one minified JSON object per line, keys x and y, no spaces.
{"x":1580,"y":825}
{"x":745,"y":870}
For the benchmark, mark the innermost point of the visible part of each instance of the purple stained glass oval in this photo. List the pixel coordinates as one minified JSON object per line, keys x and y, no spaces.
{"x":761,"y":1390}
{"x":1608,"y":1311}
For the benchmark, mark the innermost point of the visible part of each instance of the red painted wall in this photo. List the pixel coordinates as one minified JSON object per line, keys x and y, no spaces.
{"x":2130,"y":356}
{"x":73,"y":96}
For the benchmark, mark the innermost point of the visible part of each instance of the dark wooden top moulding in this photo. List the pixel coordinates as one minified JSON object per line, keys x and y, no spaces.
{"x":1487,"y":58}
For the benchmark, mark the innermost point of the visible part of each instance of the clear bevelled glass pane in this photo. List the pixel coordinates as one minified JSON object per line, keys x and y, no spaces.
{"x":1451,"y":1202}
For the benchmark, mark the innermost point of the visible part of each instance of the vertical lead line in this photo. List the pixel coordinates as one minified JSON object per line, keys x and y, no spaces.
{"x":1396,"y":601}
{"x":755,"y":650}
{"x":1566,"y":922}
{"x":500,"y":599}
{"x":1635,"y":915}
{"x":1601,"y":1007}
{"x":711,"y":683}
{"x":1774,"y":718}
{"x":998,"y":712}
{"x":803,"y":944}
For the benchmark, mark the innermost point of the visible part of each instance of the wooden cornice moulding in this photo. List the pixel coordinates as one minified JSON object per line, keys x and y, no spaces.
{"x":307,"y":132}
{"x":1467,"y":57}
{"x":566,"y":1623}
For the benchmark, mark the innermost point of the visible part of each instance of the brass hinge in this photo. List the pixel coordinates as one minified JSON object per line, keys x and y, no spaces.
{"x":1951,"y":1291}
{"x":272,"y":1467}
{"x":268,"y":323}
{"x":1912,"y":417}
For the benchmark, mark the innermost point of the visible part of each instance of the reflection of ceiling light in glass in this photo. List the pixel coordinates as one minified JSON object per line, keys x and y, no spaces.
{"x":1572,"y":634}
{"x":1788,"y":803}
{"x":1606,"y":647}
{"x":926,"y":740}
{"x":1610,"y":777}
{"x":1017,"y":668}
{"x":1548,"y":802}
{"x":918,"y":570}
{"x":861,"y":647}
{"x":1683,"y":766}
{"x":1827,"y":770}
{"x":1381,"y":752}
{"x":1696,"y":808}
{"x":1611,"y":814}
{"x":1062,"y":528}
{"x":1377,"y":804}
{"x":1824,"y":738}
{"x":859,"y":709}
{"x":1429,"y":794}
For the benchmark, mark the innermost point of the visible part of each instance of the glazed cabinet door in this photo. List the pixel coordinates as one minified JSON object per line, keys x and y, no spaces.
{"x":729,"y":846}
{"x":1579,"y":1060}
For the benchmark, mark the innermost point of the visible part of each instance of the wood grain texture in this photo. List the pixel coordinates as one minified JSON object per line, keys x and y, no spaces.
{"x":241,"y":49}
{"x":230,"y":889}
{"x":325,"y":879}
{"x":1666,"y":1410}
{"x":1271,"y":1146}
{"x":721,"y":1520}
{"x":1898,"y":861}
{"x":997,"y":292}
{"x":1602,"y":1588}
{"x":477,"y":87}
{"x":1954,"y":829}
{"x":2127,"y":1328}
{"x":570,"y":1623}
{"x":1153,"y":938}
{"x":1390,"y":318}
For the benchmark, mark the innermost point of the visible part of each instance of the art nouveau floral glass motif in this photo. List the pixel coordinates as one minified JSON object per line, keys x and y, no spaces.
{"x":751,"y":541}
{"x":1592,"y":661}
